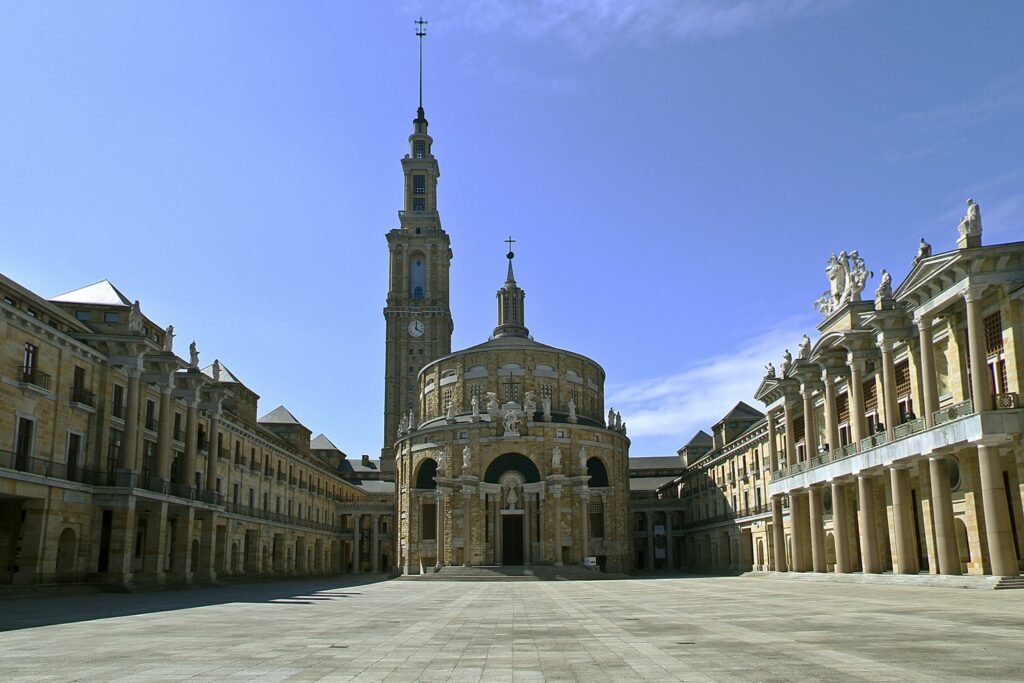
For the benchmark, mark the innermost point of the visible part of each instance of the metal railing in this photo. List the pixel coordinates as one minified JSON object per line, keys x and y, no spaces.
{"x":256,"y":513}
{"x":844,"y":452}
{"x":953,"y":412}
{"x":81,"y":396}
{"x":878,"y":439}
{"x":30,"y":374}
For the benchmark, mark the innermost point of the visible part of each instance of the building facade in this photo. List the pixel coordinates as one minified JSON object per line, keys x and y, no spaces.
{"x":122,"y":463}
{"x":509,"y":460}
{"x":890,"y":443}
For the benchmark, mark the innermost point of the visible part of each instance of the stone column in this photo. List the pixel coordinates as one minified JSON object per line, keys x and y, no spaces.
{"x":946,"y":551}
{"x":499,"y":545}
{"x":528,"y":527}
{"x":208,"y":548}
{"x":155,"y":551}
{"x":357,"y":532}
{"x":903,"y":520}
{"x":797,"y":527}
{"x":810,"y":433}
{"x":669,"y":541}
{"x":840,"y":529}
{"x":817,"y":530}
{"x":585,"y":525}
{"x":130,"y":442}
{"x":163,"y":453}
{"x":778,"y":534}
{"x":122,"y":543}
{"x":467,"y":529}
{"x":181,"y":564}
{"x":790,"y":432}
{"x":213,"y":452}
{"x":773,"y":445}
{"x":929,"y":382}
{"x":188,"y":473}
{"x":868,"y":530}
{"x":831,"y":416}
{"x":892,"y":410}
{"x":649,"y":516}
{"x":981,"y":387}
{"x":439,"y":530}
{"x":855,"y":392}
{"x":374,"y":549}
{"x":556,"y":532}
{"x":998,"y":533}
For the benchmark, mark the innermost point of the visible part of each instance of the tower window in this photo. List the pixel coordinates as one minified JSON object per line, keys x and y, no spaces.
{"x":419,"y":184}
{"x":417,"y":293}
{"x":417,"y":278}
{"x":419,"y":149}
{"x":419,"y":204}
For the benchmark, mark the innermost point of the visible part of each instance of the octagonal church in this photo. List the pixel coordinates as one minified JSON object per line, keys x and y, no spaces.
{"x":501,"y":452}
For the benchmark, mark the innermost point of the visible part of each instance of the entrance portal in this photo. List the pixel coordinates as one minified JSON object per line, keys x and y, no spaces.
{"x":512,"y":539}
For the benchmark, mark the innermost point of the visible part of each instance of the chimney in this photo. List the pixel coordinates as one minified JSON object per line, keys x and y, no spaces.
{"x":366,"y":460}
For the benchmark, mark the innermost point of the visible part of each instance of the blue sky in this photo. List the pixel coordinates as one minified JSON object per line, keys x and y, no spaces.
{"x":676,"y":174}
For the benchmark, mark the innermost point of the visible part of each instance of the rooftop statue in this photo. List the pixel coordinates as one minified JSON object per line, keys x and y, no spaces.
{"x":556,"y":459}
{"x":450,"y":414}
{"x":847,"y":276}
{"x":511,"y":422}
{"x":970,"y":224}
{"x":135,"y":323}
{"x":193,"y":352}
{"x":787,"y":362}
{"x":216,"y":370}
{"x":923,"y":252}
{"x":884,"y":290}
{"x":467,"y":457}
{"x":769,"y":370}
{"x":804,"y":350}
{"x":169,"y":339}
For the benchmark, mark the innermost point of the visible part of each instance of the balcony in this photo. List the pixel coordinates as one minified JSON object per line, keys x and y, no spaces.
{"x":33,"y":376}
{"x":959,"y":427}
{"x":81,"y":397}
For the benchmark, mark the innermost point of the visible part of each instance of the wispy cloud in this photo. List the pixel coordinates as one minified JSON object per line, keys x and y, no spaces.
{"x":588,"y":24}
{"x":698,"y":395}
{"x":980,"y":103}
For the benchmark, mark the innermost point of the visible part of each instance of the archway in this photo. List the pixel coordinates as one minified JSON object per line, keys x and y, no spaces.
{"x":598,"y":473}
{"x":67,"y":545}
{"x":760,"y":555}
{"x":425,"y":474}
{"x":511,"y":461}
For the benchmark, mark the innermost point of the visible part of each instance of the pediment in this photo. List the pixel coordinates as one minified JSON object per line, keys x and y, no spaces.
{"x":924,"y":271}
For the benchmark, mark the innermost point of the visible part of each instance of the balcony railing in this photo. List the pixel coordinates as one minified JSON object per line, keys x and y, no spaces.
{"x":224,"y":454}
{"x":82,"y":397}
{"x":30,"y":374}
{"x":844,"y":452}
{"x":953,"y":412}
{"x":256,"y":513}
{"x":907,"y":428}
{"x":1007,"y":401}
{"x":878,"y":439}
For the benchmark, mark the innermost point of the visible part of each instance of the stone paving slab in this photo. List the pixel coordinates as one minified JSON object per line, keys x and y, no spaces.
{"x":658,"y":629}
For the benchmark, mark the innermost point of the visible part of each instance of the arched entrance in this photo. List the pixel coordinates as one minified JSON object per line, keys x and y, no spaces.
{"x":67,"y":546}
{"x":511,"y":513}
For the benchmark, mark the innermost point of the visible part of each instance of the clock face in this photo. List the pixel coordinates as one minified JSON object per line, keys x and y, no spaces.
{"x":416,"y":328}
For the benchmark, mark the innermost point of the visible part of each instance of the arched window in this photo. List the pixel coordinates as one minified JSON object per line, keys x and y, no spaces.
{"x":417,"y":278}
{"x":598,"y":474}
{"x":596,"y":517}
{"x":426,"y":473}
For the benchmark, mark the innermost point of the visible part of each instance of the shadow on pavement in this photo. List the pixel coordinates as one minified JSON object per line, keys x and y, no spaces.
{"x":33,"y":610}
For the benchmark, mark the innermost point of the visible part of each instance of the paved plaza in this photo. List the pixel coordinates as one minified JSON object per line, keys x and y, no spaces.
{"x":643,"y":629}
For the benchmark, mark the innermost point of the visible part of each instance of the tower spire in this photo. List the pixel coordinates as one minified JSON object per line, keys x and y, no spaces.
{"x":511,"y":300}
{"x":510,"y":279}
{"x":421,"y":31}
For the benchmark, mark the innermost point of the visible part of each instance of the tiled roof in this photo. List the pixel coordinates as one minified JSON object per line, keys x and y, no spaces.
{"x":701,"y":438}
{"x":322,"y":443}
{"x":279,"y":416}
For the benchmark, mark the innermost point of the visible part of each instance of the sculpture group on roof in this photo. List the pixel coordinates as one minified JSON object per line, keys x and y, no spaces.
{"x":847,"y":276}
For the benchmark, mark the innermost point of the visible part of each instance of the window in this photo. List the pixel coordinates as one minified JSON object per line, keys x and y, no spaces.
{"x":234,"y":494}
{"x":545,"y":391}
{"x":30,"y":357}
{"x":84,"y":316}
{"x":596,"y":512}
{"x":446,"y":398}
{"x":111,"y":317}
{"x":117,"y":409}
{"x":419,"y":204}
{"x":419,"y":149}
{"x":417,"y":278}
{"x":24,"y":443}
{"x":419,"y":184}
{"x":477,"y":391}
{"x":511,"y":391}
{"x":994,"y":333}
{"x":150,"y":415}
{"x":903,"y":378}
{"x":252,"y":497}
{"x":177,"y":427}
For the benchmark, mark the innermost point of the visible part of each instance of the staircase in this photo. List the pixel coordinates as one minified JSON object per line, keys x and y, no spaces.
{"x":512,"y":573}
{"x":1009,"y":582}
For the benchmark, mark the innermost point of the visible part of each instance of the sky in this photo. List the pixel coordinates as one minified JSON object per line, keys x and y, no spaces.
{"x":675,"y":173}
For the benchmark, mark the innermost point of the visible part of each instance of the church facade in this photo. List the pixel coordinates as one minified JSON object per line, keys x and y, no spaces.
{"x":501,"y":452}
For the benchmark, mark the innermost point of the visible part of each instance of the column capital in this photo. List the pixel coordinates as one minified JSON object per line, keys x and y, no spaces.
{"x":924,"y":319}
{"x":885,"y":345}
{"x":973,"y":293}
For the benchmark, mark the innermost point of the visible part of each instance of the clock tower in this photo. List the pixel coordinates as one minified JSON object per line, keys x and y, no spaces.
{"x":418,"y":319}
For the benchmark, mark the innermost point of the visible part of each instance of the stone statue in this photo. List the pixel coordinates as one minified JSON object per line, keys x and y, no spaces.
{"x":450,"y":414}
{"x":193,"y":352}
{"x":412,"y":421}
{"x":847,"y":276}
{"x":545,"y":403}
{"x":492,"y":403}
{"x":169,"y":339}
{"x":467,"y":457}
{"x":769,"y":370}
{"x":216,"y":370}
{"x":583,"y":458}
{"x":556,"y":459}
{"x":135,"y":323}
{"x":923,"y":252}
{"x":511,"y":421}
{"x":611,"y":418}
{"x":442,"y":460}
{"x":804,"y":350}
{"x":619,"y":424}
{"x":884,"y":290}
{"x":970,"y":224}
{"x":787,"y":362}
{"x":623,"y":428}
{"x":475,"y":404}
{"x":572,"y":410}
{"x":529,"y":405}
{"x":513,"y":498}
